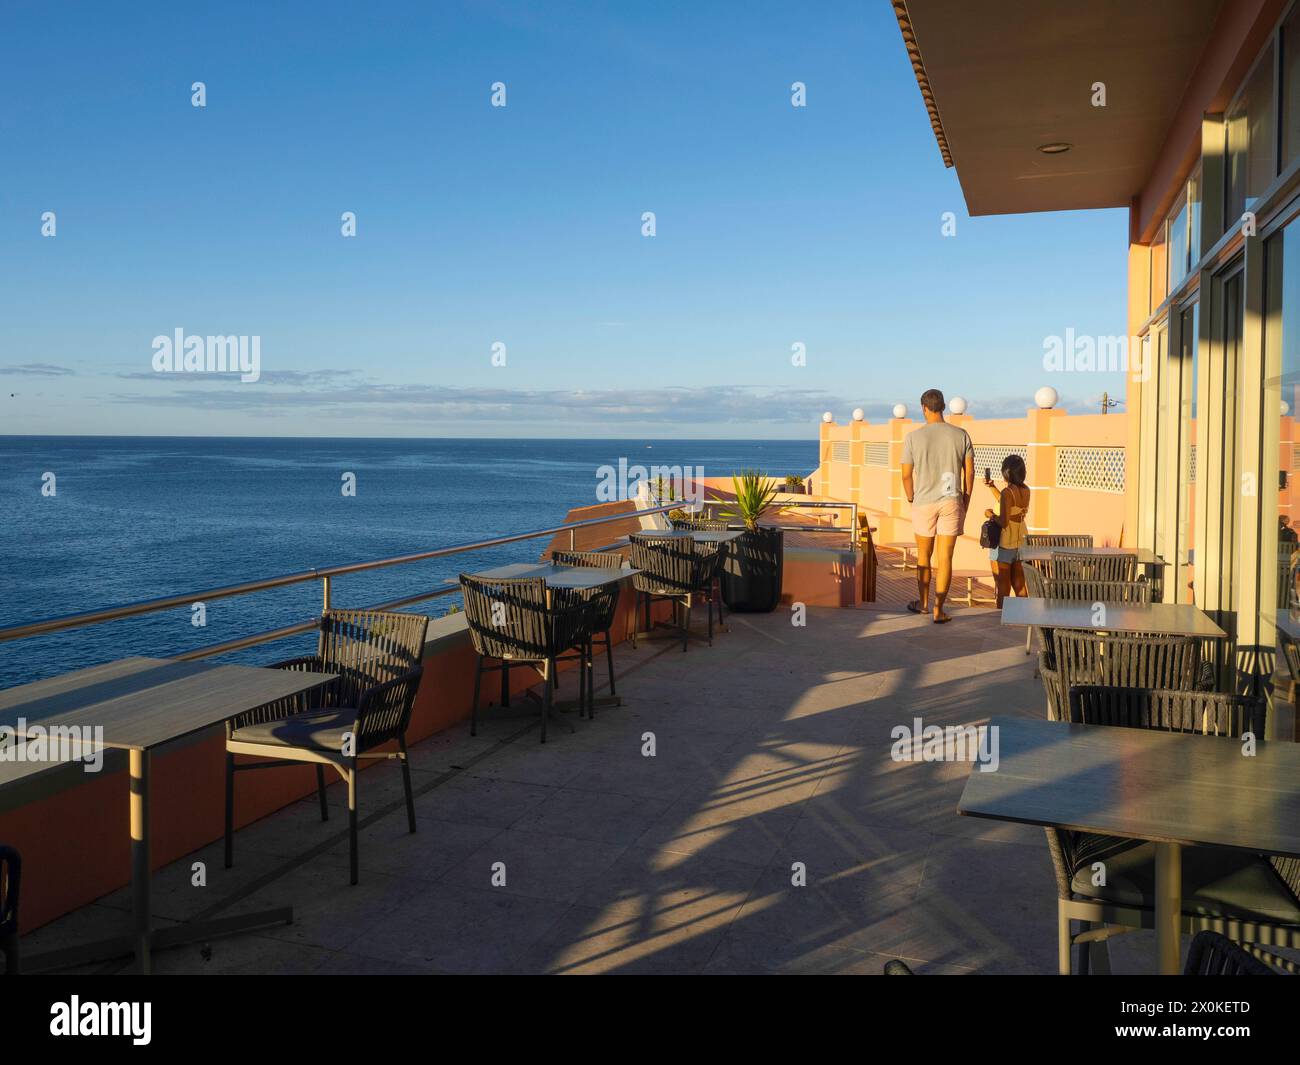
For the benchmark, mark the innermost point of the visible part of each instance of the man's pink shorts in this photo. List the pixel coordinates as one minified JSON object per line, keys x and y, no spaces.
{"x":944,"y":518}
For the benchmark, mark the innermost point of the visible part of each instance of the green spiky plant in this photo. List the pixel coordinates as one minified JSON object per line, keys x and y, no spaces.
{"x":754,"y":492}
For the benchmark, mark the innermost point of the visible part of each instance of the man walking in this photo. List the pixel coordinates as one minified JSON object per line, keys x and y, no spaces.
{"x":938,"y":475}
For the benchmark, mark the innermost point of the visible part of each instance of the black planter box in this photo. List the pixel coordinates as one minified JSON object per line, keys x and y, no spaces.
{"x":751,"y":578}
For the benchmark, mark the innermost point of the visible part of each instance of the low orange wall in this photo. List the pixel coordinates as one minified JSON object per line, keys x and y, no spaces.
{"x":75,"y":844}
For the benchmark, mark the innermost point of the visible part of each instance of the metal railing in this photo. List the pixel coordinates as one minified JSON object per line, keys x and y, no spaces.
{"x":852,"y":529}
{"x":149,"y":606}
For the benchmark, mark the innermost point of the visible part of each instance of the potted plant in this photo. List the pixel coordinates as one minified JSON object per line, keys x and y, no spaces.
{"x":751,"y":578}
{"x":793,"y":483}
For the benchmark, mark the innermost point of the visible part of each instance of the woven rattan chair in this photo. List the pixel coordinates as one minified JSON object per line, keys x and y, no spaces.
{"x":709,"y":525}
{"x":1212,"y":954}
{"x":1065,"y":566}
{"x":376,"y":656}
{"x":1130,"y":661}
{"x":673,"y":568}
{"x":895,"y":967}
{"x":1058,"y":540}
{"x":1081,"y":591}
{"x":11,"y":870}
{"x":520,"y":622}
{"x":1250,"y":897}
{"x":602,"y":603}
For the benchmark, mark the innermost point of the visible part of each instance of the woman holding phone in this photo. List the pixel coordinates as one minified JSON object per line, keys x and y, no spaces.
{"x":1013,"y":502}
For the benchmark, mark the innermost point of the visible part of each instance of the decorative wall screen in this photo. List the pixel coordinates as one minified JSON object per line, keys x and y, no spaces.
{"x":878,"y":453}
{"x":1100,"y":469}
{"x":1191,"y":464}
{"x":839,"y":451}
{"x":992,"y":456}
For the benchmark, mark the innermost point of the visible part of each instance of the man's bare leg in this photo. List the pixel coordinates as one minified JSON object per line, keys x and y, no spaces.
{"x":942,"y":561}
{"x":924,"y":549}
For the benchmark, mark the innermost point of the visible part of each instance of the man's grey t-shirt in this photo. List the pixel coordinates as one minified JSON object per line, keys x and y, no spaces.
{"x":937,"y":453}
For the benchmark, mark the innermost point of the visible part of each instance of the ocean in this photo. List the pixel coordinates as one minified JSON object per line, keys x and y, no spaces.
{"x":137,"y":518}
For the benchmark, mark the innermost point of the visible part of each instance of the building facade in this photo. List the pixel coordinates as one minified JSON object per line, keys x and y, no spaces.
{"x":1198,"y":135}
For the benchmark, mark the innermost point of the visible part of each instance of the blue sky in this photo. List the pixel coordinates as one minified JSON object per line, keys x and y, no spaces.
{"x":521,"y":225}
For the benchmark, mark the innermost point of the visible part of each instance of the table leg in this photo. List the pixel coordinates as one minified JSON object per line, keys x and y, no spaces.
{"x":140,"y":871}
{"x":1169,"y":906}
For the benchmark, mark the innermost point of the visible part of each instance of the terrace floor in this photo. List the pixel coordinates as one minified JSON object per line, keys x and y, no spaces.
{"x":772,"y":748}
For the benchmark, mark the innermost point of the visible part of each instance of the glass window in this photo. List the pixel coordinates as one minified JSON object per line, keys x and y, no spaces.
{"x":1159,"y":268}
{"x":1194,"y":217}
{"x":1249,"y":124}
{"x":1291,"y":87}
{"x":1279,"y":586}
{"x":1185,"y":380}
{"x":1178,"y":242}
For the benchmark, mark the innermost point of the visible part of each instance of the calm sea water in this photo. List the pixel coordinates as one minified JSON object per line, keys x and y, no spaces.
{"x":141,"y":518}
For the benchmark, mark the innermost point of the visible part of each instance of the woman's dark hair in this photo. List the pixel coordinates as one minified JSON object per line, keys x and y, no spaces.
{"x":1013,"y":470}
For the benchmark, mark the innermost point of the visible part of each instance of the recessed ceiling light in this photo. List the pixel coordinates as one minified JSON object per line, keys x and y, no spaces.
{"x":1055,"y":148}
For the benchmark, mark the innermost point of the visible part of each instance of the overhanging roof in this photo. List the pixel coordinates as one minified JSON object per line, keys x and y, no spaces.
{"x":1001,"y":79}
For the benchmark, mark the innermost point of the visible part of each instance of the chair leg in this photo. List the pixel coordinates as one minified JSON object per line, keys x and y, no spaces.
{"x":320,"y":790}
{"x":406,"y":783}
{"x":230,"y":810}
{"x":473,"y":707}
{"x":588,"y":676}
{"x":636,"y":614}
{"x":352,"y":821}
{"x":1062,"y":939}
{"x":505,"y":683}
{"x":686,"y":624}
{"x":546,"y":699}
{"x":609,"y":658}
{"x":1029,"y":635}
{"x":1101,"y":957}
{"x":710,"y":606}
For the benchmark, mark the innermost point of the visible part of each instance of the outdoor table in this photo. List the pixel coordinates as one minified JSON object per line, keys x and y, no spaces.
{"x":143,"y":704}
{"x":700,"y":536}
{"x":582,"y":578}
{"x":1166,"y":619}
{"x":1145,"y":556}
{"x":1152,"y":564}
{"x":1173,"y":789}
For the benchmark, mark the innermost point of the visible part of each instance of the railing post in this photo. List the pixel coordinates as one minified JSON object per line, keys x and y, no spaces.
{"x":325,"y":594}
{"x":573,"y":539}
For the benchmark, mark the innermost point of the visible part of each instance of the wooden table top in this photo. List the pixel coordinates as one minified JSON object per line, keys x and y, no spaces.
{"x":1166,"y":619}
{"x":581,"y":577}
{"x":1145,"y":556}
{"x":700,"y":536}
{"x":146,"y":702}
{"x":1142,"y":784}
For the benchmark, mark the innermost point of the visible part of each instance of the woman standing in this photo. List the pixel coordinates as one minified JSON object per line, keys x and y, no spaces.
{"x":1013,"y":502}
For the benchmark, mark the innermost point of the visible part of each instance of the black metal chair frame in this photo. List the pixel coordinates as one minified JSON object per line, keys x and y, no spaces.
{"x":714,"y":594}
{"x":376,"y":656}
{"x":602,"y":605}
{"x":677,"y":569}
{"x":519,"y":621}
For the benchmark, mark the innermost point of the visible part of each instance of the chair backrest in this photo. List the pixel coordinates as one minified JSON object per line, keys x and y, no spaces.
{"x":1083,"y":591}
{"x":1065,"y":566}
{"x":602,"y":602}
{"x":368,"y":647}
{"x":590,"y":559}
{"x":1214,"y":954}
{"x":668,"y":565}
{"x":1209,"y":713}
{"x":1034,"y":581}
{"x":1058,"y":540}
{"x":1129,"y":661}
{"x":507,"y":617}
{"x":700,"y":524}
